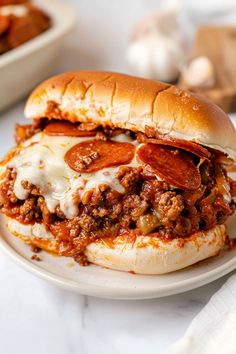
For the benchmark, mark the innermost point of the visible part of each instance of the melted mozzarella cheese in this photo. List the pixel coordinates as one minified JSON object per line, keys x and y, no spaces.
{"x":16,"y":10}
{"x":41,"y":163}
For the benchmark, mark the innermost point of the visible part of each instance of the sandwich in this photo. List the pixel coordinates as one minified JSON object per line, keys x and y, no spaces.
{"x":122,"y":172}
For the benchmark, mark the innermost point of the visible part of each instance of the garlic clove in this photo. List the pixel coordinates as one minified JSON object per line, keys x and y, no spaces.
{"x":199,"y":73}
{"x":158,"y":46}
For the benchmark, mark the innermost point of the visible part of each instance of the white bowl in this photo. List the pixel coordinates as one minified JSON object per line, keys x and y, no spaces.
{"x":23,"y":68}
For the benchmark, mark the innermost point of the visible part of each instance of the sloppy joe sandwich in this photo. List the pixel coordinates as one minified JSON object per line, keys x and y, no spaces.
{"x":122,"y":172}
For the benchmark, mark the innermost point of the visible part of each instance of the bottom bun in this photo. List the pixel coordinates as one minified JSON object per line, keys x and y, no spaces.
{"x":145,"y":255}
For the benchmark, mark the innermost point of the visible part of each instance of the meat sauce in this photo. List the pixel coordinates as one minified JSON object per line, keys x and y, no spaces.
{"x":172,"y":192}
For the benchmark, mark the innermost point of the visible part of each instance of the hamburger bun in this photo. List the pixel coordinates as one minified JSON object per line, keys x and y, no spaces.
{"x":145,"y":255}
{"x":128,"y":102}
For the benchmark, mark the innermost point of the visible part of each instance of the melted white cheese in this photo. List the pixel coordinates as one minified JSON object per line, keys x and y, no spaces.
{"x":41,"y":162}
{"x":16,"y":10}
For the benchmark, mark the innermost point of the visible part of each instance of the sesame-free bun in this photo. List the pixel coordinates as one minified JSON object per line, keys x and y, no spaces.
{"x":133,"y":103}
{"x":145,"y":255}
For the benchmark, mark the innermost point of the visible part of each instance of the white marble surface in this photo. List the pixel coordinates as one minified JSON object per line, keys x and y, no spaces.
{"x":36,"y":317}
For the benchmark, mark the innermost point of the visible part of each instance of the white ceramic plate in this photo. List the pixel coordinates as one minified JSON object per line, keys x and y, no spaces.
{"x":96,"y":281}
{"x":22,"y":68}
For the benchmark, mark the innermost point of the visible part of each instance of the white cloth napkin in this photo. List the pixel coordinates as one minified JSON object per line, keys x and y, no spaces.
{"x":213,"y":331}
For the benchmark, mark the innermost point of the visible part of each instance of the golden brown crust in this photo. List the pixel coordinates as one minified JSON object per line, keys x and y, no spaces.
{"x":133,"y":103}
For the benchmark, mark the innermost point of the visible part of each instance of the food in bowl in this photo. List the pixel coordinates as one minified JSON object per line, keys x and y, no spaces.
{"x":20,"y":21}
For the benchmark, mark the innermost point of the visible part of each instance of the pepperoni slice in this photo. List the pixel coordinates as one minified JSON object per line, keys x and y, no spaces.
{"x":67,"y":129}
{"x":173,"y":165}
{"x":93,"y":155}
{"x":185,"y":145}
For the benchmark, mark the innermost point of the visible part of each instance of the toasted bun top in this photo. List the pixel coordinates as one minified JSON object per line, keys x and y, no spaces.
{"x":133,"y":103}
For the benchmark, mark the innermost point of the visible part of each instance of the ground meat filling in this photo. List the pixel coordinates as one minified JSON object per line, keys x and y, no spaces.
{"x":148,"y":206}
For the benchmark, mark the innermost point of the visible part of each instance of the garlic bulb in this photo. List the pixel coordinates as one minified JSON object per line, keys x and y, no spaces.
{"x":199,"y":73}
{"x":156,"y":57}
{"x":158,"y":48}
